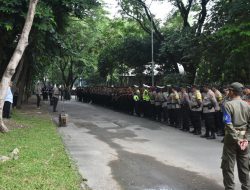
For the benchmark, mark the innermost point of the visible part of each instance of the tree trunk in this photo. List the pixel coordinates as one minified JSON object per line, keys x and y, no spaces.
{"x":202,"y":16}
{"x":17,"y":75}
{"x":15,"y":59}
{"x":21,"y":84}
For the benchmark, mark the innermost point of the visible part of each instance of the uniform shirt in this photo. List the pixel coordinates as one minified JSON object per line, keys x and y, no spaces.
{"x":9,"y":96}
{"x":38,"y":89}
{"x":236,"y":115}
{"x":152,"y":97}
{"x":194,"y":98}
{"x":219,"y":99}
{"x":209,"y":102}
{"x":224,"y":100}
{"x":56,"y":92}
{"x":184,"y":99}
{"x":165,"y":97}
{"x":159,"y":99}
{"x":175,"y":100}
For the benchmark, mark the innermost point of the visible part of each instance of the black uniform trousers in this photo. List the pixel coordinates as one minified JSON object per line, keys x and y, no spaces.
{"x":171,"y":116}
{"x":185,"y":112}
{"x":55,"y":101}
{"x":196,"y":121}
{"x":176,"y":117}
{"x":6,"y":109}
{"x":38,"y":100}
{"x":15,"y":98}
{"x":165,"y":113}
{"x":209,"y":123}
{"x":219,"y":122}
{"x":136,"y":108}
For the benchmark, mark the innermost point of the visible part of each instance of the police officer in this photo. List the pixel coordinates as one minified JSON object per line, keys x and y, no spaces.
{"x":50,"y":93}
{"x":218,"y":112}
{"x":195,"y":107}
{"x":236,"y":115}
{"x":152,"y":94}
{"x":170,"y":108}
{"x":165,"y":105}
{"x":246,"y":94}
{"x":175,"y":101}
{"x":209,"y":105}
{"x":185,"y":111}
{"x":136,"y":99}
{"x":146,"y":101}
{"x":158,"y":104}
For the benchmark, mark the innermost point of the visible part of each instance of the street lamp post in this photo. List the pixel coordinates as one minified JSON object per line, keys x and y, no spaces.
{"x":152,"y":48}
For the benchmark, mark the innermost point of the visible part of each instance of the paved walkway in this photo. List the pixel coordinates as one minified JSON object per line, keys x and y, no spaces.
{"x":116,"y":151}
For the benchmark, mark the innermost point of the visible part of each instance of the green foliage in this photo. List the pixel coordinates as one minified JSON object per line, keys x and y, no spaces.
{"x":226,"y":56}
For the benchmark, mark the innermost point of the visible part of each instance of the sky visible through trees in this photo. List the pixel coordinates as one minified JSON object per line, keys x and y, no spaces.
{"x":159,"y":9}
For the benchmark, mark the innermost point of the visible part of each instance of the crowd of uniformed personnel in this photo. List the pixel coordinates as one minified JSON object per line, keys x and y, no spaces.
{"x":224,"y":110}
{"x":180,"y":107}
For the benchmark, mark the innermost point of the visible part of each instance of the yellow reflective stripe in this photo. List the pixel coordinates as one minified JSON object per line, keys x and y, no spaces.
{"x":198,"y":96}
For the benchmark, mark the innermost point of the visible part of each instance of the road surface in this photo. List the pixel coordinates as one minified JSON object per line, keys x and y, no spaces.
{"x":116,"y":151}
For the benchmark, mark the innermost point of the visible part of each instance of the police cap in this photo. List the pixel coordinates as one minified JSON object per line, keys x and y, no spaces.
{"x":236,"y":86}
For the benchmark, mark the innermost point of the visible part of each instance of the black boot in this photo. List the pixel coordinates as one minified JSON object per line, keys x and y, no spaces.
{"x":212,"y":136}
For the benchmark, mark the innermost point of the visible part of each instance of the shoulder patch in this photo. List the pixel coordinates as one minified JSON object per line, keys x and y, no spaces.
{"x":226,"y":117}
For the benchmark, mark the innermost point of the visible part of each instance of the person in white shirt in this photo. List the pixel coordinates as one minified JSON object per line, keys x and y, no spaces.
{"x":7,"y":103}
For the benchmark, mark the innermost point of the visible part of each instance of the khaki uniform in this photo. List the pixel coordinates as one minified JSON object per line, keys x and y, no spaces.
{"x":159,"y":99}
{"x":165,"y":106}
{"x":209,"y":104}
{"x":196,"y":111}
{"x":219,"y":98}
{"x":175,"y":103}
{"x":185,"y":111}
{"x":236,"y":115}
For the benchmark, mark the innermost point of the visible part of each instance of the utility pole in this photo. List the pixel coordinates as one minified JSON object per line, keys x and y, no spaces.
{"x":152,"y":55}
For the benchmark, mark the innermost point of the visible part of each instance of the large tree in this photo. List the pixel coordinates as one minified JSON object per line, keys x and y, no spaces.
{"x":15,"y":59}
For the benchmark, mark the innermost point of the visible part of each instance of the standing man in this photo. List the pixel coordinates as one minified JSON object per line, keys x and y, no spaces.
{"x":7,"y":102}
{"x":236,"y":116}
{"x":195,"y":106}
{"x":55,"y":95}
{"x":146,"y":101}
{"x":218,"y":113}
{"x":209,"y":105}
{"x":38,"y":91}
{"x":136,"y":99}
{"x":50,"y":93}
{"x":165,"y":105}
{"x":184,"y":99}
{"x":246,"y":96}
{"x":175,"y":102}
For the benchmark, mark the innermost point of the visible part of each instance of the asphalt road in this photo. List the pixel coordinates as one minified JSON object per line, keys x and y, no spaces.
{"x":115,"y":151}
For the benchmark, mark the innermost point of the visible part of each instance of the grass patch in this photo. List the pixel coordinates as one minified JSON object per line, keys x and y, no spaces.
{"x":43,"y":162}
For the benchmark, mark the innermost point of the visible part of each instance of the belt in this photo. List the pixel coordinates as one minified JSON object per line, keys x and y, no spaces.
{"x":240,"y":129}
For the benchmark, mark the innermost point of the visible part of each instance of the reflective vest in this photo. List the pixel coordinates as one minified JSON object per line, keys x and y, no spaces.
{"x":146,"y":96}
{"x":136,"y":98}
